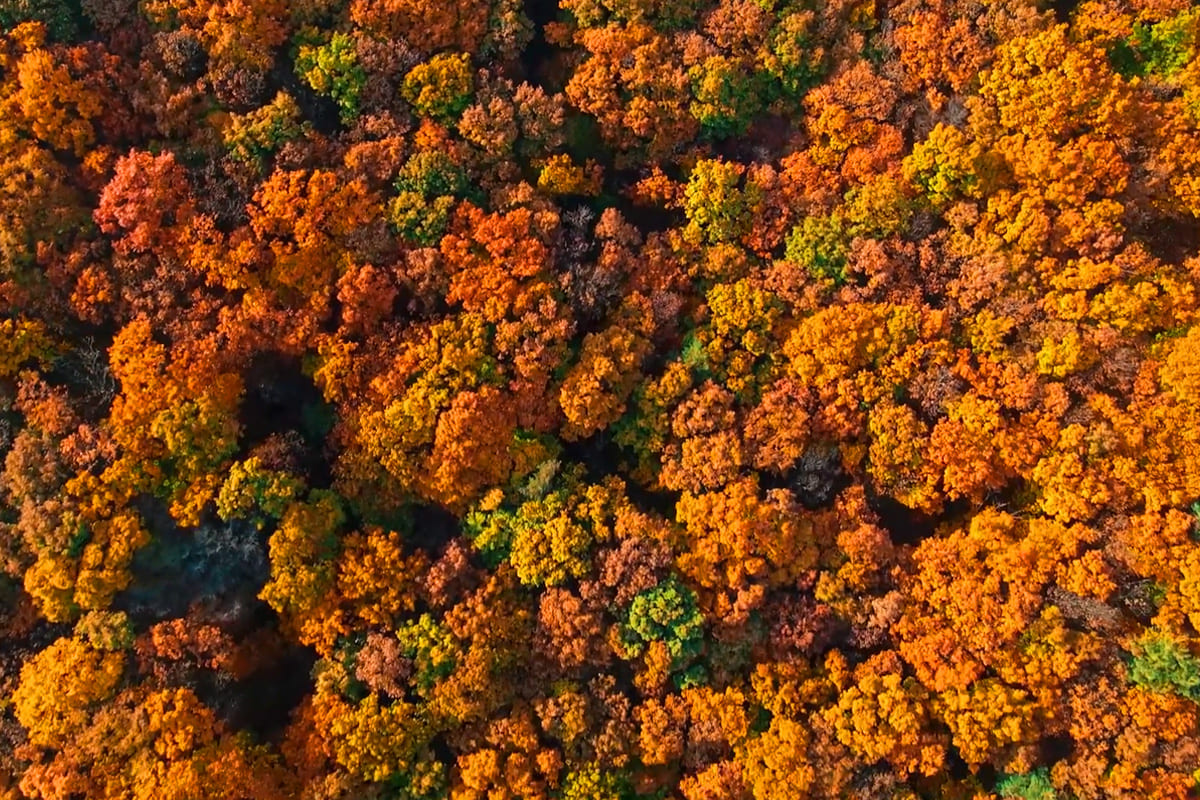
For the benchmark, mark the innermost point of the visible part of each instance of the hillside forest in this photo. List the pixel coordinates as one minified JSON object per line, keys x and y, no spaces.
{"x":609,"y":400}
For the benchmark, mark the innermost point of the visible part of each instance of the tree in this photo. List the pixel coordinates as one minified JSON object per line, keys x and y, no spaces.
{"x":474,"y":447}
{"x":441,"y":87}
{"x":438,"y":423}
{"x":498,"y":27}
{"x":591,"y":13}
{"x":60,"y":22}
{"x":51,"y":105}
{"x":793,"y":56}
{"x":38,"y":204}
{"x":333,"y":69}
{"x":708,"y":455}
{"x":377,"y":579}
{"x":728,"y":95}
{"x":947,"y":166}
{"x":634,"y":86}
{"x":596,"y":388}
{"x":238,"y":33}
{"x":886,"y":716}
{"x":990,"y":719}
{"x":737,"y":542}
{"x":821,"y":245}
{"x":1160,"y":663}
{"x":494,"y":626}
{"x":853,"y":355}
{"x":375,"y":742}
{"x":252,"y":492}
{"x":510,"y":763}
{"x":24,"y":341}
{"x":144,"y":202}
{"x":302,"y":551}
{"x":997,"y":599}
{"x":940,"y":52}
{"x":896,"y":457}
{"x":717,"y":209}
{"x":549,"y":539}
{"x":848,"y":121}
{"x":1020,"y":91}
{"x":667,"y":613}
{"x":569,"y":632}
{"x":84,"y":560}
{"x":498,"y":260}
{"x":52,"y":714}
{"x":432,"y":650}
{"x":778,"y":758}
{"x":293,"y":214}
{"x":176,"y":423}
{"x":257,"y":135}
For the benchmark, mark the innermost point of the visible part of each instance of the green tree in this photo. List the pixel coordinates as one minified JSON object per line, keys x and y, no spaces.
{"x":429,"y":185}
{"x":60,"y":18}
{"x":255,"y":493}
{"x":1033,"y":785}
{"x":441,"y":87}
{"x":302,"y":553}
{"x":255,"y":136}
{"x":718,"y":207}
{"x":727,"y":95}
{"x":592,"y":783}
{"x":1163,"y":48}
{"x":792,"y":59}
{"x":333,"y":69}
{"x":431,"y":648}
{"x":821,"y":245}
{"x":1162,"y":664}
{"x":666,"y":613}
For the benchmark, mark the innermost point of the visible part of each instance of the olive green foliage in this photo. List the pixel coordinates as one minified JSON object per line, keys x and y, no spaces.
{"x":255,"y":136}
{"x":793,"y":63}
{"x":947,"y":166}
{"x":441,"y":87}
{"x":667,"y":613}
{"x":333,"y":69}
{"x":820,"y":245}
{"x":255,"y":493}
{"x":491,"y":532}
{"x":106,"y":630}
{"x":694,"y":356}
{"x":431,"y":648}
{"x":1030,"y":786}
{"x":431,"y":173}
{"x":429,"y":185}
{"x":718,"y":207}
{"x":878,"y":209}
{"x":60,"y":17}
{"x":592,"y":783}
{"x":1162,"y":664}
{"x":420,"y":220}
{"x":1163,"y":48}
{"x":727,"y":96}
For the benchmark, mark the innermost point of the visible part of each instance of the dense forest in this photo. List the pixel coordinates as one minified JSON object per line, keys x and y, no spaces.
{"x":658,"y":399}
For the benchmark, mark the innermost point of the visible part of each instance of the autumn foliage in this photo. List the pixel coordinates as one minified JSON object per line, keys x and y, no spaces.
{"x":609,"y":399}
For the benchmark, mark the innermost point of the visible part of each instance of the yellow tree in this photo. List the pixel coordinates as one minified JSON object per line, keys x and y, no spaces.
{"x":175,"y":420}
{"x":60,"y":689}
{"x":52,"y":105}
{"x":886,"y":716}
{"x":595,"y":389}
{"x":738,"y":542}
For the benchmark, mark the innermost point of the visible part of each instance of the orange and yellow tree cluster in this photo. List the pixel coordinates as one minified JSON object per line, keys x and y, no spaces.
{"x":609,"y":400}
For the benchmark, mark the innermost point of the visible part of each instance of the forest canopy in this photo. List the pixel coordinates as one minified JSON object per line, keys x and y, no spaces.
{"x":609,"y":400}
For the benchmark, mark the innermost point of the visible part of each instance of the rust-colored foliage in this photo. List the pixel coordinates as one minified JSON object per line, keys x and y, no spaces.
{"x":716,"y":399}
